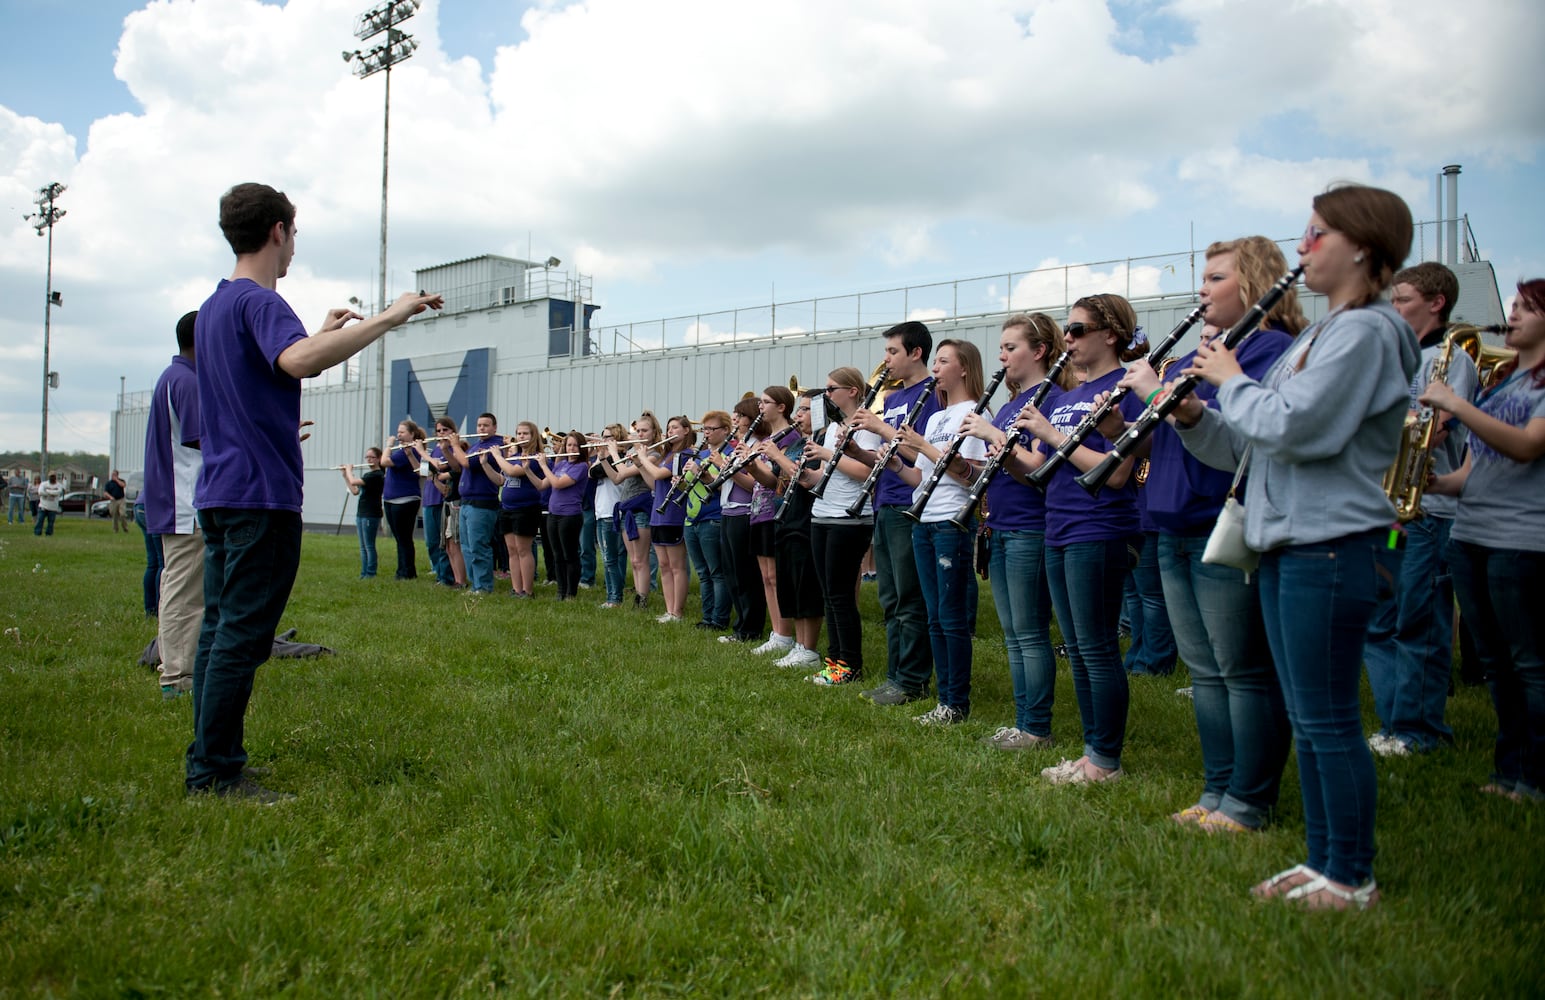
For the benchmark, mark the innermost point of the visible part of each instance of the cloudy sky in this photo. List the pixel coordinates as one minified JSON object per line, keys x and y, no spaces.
{"x":699,"y":155}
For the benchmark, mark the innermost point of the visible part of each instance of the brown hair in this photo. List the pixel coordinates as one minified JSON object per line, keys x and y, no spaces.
{"x":414,"y":430}
{"x":970,"y":357}
{"x":1376,"y":221}
{"x":1040,"y":330}
{"x":656,"y":429}
{"x":534,"y":443}
{"x":688,"y":434}
{"x":1532,"y":293}
{"x":782,"y":396}
{"x":1258,"y":263}
{"x":746,"y":408}
{"x":1116,"y":315}
{"x":1430,"y":279}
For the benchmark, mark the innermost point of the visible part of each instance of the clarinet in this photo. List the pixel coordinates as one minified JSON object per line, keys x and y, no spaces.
{"x":1184,"y":386}
{"x":831,"y":466}
{"x":1040,"y":477}
{"x":789,"y":492}
{"x":681,"y":489}
{"x":915,"y":512}
{"x":735,"y":465}
{"x":857,"y":506}
{"x":962,"y":517}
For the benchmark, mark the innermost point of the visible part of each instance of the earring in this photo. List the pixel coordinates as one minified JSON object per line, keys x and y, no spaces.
{"x":1358,"y":259}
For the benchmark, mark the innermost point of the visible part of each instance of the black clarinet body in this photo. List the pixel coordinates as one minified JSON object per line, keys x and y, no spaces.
{"x":915,"y":512}
{"x":819,"y":489}
{"x":734,"y":466}
{"x":1134,"y":436}
{"x":867,"y":489}
{"x":994,"y":464}
{"x":1040,"y":477}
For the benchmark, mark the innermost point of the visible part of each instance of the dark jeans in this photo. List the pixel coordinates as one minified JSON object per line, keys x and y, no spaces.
{"x":1017,"y":567}
{"x":1086,"y":580}
{"x":837,"y":551}
{"x":1317,"y":601}
{"x":402,"y":519}
{"x":434,"y":541}
{"x":704,"y":549}
{"x":587,"y":547}
{"x":745,"y":577}
{"x":1409,"y":651}
{"x":1240,"y":718}
{"x":44,"y":517}
{"x":250,"y":559}
{"x":1501,"y":593}
{"x":944,"y":555}
{"x":908,"y":653}
{"x":564,"y":531}
{"x":1152,"y":650}
{"x":151,"y":583}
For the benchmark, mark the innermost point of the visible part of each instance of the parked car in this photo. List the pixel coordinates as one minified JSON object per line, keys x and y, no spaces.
{"x":100,"y":508}
{"x":80,"y":501}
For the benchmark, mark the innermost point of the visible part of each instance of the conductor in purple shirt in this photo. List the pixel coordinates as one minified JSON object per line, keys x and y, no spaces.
{"x":252,"y":353}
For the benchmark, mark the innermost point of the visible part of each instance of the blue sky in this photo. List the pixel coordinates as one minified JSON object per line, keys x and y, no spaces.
{"x":697,"y":156}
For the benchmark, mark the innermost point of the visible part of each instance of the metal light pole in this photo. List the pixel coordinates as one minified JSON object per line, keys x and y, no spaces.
{"x":398,"y":46}
{"x":46,"y":215}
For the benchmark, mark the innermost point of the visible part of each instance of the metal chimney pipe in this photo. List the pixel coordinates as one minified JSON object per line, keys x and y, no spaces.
{"x":1451,"y":182}
{"x":1437,"y":241}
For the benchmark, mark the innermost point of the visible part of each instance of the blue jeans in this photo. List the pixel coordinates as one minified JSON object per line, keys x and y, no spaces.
{"x":1017,"y":568}
{"x":368,"y":528}
{"x":43,"y":516}
{"x":944,"y":556}
{"x":1240,"y":717}
{"x":1409,"y":651}
{"x":1317,"y":601}
{"x":250,"y":559}
{"x":16,"y":509}
{"x":150,"y":583}
{"x":612,"y":557}
{"x":434,"y":541}
{"x":587,"y":548}
{"x":1085,"y":579}
{"x":1152,"y":650}
{"x":477,"y":546}
{"x":714,"y":587}
{"x":1500,"y":593}
{"x":908,"y":648}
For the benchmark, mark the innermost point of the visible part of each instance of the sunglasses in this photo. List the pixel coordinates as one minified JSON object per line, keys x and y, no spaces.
{"x":1073,"y":331}
{"x":1313,"y":234}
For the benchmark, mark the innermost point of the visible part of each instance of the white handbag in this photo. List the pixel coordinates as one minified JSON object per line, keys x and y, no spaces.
{"x":1226,"y":545}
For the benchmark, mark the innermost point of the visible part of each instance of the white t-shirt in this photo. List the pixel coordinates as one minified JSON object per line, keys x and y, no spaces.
{"x":950,"y":495}
{"x":48,"y":496}
{"x":843,"y":489}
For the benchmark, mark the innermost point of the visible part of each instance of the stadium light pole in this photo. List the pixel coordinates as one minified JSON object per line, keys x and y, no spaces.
{"x":397,"y":47}
{"x":47,"y":214}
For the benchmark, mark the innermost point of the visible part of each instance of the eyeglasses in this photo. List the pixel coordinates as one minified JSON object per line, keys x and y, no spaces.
{"x":715,"y":427}
{"x":1313,"y":234}
{"x":835,"y":388}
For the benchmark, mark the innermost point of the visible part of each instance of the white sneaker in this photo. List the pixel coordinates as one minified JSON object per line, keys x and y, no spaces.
{"x":1386,"y":745}
{"x":776,"y":644}
{"x":941,"y":715}
{"x":667,"y":618}
{"x":799,"y":656}
{"x":1062,"y":772}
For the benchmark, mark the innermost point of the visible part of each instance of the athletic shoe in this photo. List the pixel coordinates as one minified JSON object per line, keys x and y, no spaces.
{"x":891,"y":693}
{"x":941,"y":715}
{"x":1079,"y":772}
{"x":799,"y":656}
{"x":668,"y":618}
{"x":1386,"y":745}
{"x":169,"y":692}
{"x":706,"y":626}
{"x":586,"y":586}
{"x":609,"y":604}
{"x":1014,"y":738}
{"x":1185,"y":692}
{"x":245,"y":789}
{"x":776,"y":644}
{"x":736,"y":637}
{"x":835,"y":672}
{"x":1060,"y":650}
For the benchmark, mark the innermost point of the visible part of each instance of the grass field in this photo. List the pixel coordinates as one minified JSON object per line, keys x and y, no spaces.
{"x":534,"y":798}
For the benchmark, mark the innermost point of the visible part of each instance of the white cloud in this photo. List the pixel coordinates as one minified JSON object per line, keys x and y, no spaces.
{"x":646,"y":134}
{"x":1052,"y":284}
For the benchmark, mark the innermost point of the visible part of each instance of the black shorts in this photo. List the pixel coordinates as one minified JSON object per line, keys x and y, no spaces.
{"x":762,"y":540}
{"x":524,"y":522}
{"x":665,"y":534}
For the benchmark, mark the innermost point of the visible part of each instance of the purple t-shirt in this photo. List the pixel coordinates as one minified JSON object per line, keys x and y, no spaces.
{"x":1011,"y":505}
{"x":401,"y":474}
{"x":249,"y":409}
{"x":432,"y":497}
{"x":1072,"y":515}
{"x":476,"y":488}
{"x":891,"y":490}
{"x":1184,"y":495}
{"x":674,"y":514}
{"x":569,"y":499}
{"x":171,"y":452}
{"x":518,"y":492}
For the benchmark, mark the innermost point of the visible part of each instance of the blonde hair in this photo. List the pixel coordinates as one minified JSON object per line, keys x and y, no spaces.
{"x":1258,"y":263}
{"x":1040,"y":330}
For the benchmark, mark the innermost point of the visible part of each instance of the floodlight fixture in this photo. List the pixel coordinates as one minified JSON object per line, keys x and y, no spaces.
{"x":47,"y":215}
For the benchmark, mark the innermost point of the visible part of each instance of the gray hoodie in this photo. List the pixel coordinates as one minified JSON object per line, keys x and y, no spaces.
{"x":1324,"y":435}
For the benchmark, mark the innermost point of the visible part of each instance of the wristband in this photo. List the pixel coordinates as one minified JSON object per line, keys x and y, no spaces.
{"x":1148,"y":400}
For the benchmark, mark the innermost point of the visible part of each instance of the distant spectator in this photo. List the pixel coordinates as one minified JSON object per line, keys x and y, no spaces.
{"x":48,"y":504}
{"x":32,"y":496}
{"x":115,"y":493}
{"x":16,"y":498}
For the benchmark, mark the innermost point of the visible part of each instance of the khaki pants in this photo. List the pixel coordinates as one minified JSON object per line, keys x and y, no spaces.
{"x":115,"y":509}
{"x":182,"y":607}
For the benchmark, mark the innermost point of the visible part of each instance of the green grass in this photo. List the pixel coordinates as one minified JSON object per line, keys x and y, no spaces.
{"x":540,"y":799}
